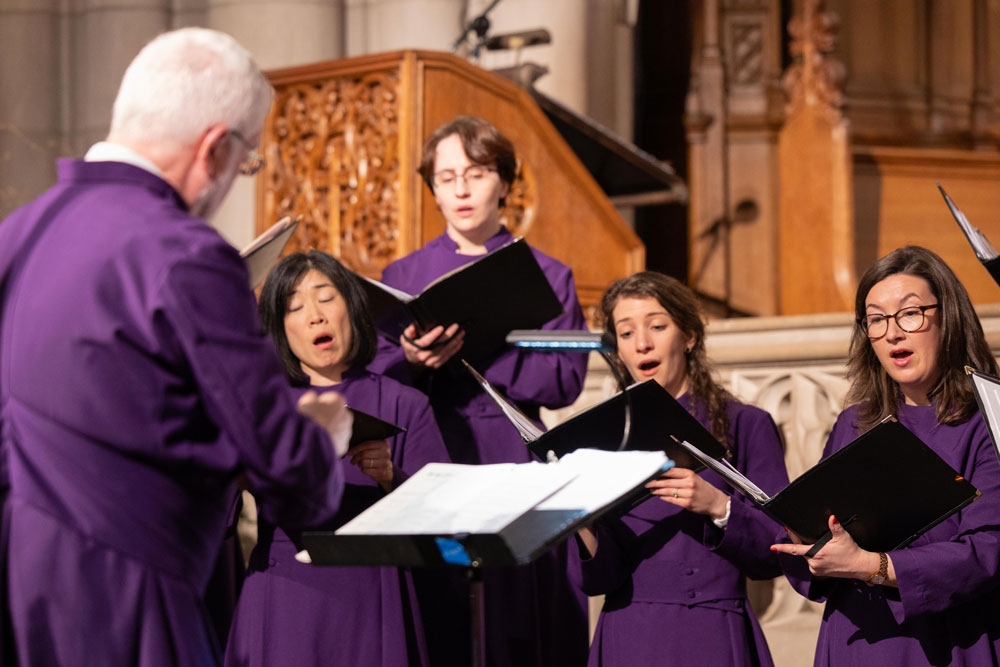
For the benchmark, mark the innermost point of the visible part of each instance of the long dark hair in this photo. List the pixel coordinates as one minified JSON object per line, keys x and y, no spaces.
{"x":683,"y":307}
{"x":962,"y":343}
{"x":278,"y":289}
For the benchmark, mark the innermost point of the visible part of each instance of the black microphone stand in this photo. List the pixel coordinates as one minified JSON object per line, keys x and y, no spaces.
{"x":479,"y":25}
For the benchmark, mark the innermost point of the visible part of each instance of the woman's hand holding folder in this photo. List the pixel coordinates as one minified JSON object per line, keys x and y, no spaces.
{"x":839,"y":556}
{"x":432,"y":349}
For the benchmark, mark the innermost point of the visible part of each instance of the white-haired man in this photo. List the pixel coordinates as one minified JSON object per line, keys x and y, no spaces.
{"x":135,"y":383}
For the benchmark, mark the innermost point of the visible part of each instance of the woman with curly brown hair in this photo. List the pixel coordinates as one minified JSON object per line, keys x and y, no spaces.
{"x":673,"y":569}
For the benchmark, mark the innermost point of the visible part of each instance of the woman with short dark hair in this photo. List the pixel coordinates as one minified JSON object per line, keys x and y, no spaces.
{"x":290,"y":613}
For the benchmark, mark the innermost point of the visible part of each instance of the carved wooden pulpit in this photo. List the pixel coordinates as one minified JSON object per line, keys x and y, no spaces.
{"x":343,"y":142}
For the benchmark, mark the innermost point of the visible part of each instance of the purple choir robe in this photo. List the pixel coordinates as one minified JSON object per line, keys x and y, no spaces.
{"x":534,"y":615}
{"x":294,"y":614}
{"x":675,"y":584}
{"x":137,"y":387}
{"x":946,"y":610}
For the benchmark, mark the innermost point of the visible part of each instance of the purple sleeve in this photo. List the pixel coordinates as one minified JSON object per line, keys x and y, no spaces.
{"x":390,"y":359}
{"x":748,"y":537}
{"x":604,"y":572}
{"x":552,"y":380}
{"x":421,"y":443}
{"x":287,"y":458}
{"x":936,"y":575}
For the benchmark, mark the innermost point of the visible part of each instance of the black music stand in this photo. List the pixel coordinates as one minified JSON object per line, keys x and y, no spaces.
{"x":520,"y":541}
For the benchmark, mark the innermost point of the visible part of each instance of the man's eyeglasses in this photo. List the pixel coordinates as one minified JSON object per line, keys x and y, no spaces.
{"x":908,"y":319}
{"x":254,"y":161}
{"x":472,"y":175}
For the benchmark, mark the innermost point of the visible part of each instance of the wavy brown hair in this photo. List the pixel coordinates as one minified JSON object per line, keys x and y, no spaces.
{"x":962,"y":343}
{"x":683,"y":307}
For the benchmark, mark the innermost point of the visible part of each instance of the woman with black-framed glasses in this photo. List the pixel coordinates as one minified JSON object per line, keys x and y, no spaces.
{"x":935,"y":601}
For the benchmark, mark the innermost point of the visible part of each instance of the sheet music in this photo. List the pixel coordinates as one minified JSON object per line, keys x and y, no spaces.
{"x":989,"y":401}
{"x":525,"y":427}
{"x":733,"y":476}
{"x":980,"y":244}
{"x":601,"y":477}
{"x":449,"y":498}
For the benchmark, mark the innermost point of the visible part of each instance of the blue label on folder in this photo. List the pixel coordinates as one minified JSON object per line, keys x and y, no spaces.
{"x":452,"y":551}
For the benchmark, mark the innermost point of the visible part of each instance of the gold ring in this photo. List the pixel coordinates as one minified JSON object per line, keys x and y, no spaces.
{"x":675,"y":493}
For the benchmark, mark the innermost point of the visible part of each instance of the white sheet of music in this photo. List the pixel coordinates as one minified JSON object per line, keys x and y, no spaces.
{"x":449,"y":498}
{"x":989,"y":400}
{"x":601,"y":477}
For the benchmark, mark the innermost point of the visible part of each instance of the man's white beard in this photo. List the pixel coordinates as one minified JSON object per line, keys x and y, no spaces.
{"x":208,"y":201}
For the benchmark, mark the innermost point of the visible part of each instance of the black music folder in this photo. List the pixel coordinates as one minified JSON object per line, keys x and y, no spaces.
{"x":485,"y":515}
{"x":262,"y":253}
{"x":502,"y":291}
{"x":367,"y":427}
{"x":886,"y":488}
{"x":985,"y":252}
{"x":986,"y":387}
{"x":655,"y":416}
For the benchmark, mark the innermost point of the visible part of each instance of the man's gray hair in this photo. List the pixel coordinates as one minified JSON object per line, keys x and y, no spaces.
{"x":185,"y":81}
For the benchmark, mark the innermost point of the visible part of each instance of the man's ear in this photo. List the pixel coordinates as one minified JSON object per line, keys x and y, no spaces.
{"x":211,"y":152}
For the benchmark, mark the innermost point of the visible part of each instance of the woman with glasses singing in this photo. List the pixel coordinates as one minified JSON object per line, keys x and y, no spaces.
{"x":534,"y":616}
{"x":935,"y":601}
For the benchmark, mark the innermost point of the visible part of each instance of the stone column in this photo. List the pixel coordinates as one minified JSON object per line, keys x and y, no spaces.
{"x":374,"y":26}
{"x":103,"y":39}
{"x":280,"y":33}
{"x":30,"y":75}
{"x":566,"y":57}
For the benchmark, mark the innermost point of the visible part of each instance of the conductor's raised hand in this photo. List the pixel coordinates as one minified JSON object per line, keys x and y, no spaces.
{"x":686,"y":488}
{"x":329,"y":410}
{"x":374,"y":458}
{"x":432,"y":349}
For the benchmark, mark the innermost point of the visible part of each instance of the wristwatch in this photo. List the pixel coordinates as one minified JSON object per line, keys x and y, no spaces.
{"x":882,"y":574}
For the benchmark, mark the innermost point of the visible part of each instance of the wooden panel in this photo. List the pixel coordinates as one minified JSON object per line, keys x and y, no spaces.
{"x":899,"y":204}
{"x":816,"y":232}
{"x":350,"y":164}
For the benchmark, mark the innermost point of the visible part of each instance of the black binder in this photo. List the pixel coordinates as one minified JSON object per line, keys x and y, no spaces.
{"x":985,"y":252}
{"x":886,"y":487}
{"x":502,"y":291}
{"x":369,"y":427}
{"x":656,"y":415}
{"x":263,"y":252}
{"x":986,"y":387}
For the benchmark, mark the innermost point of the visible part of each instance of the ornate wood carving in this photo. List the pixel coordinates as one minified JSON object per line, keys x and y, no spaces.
{"x":747,"y":48}
{"x":519,"y":206}
{"x":333,"y":158}
{"x":815,"y":78}
{"x":342,"y":146}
